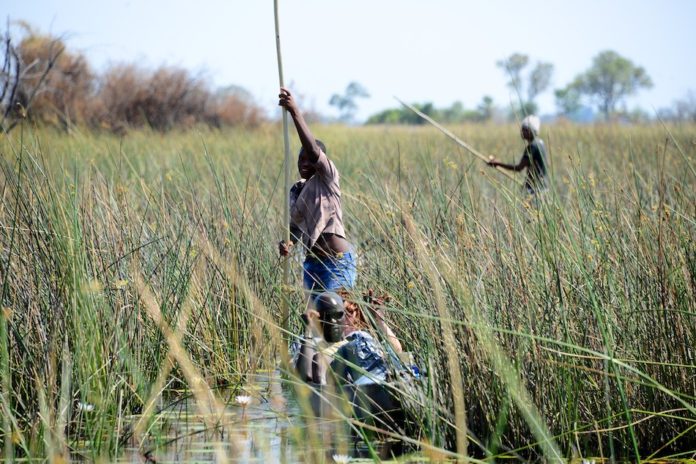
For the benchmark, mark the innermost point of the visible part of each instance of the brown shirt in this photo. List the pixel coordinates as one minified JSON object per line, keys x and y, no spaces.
{"x":317,"y":209}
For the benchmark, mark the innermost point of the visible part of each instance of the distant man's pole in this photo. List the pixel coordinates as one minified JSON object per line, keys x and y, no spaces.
{"x":455,"y":138}
{"x":286,"y":199}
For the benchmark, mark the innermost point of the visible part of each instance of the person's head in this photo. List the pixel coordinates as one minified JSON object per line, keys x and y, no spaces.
{"x":331,"y":311}
{"x":529,"y":129}
{"x":304,"y":165}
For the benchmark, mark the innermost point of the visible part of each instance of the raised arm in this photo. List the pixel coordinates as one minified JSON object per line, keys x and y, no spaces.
{"x":389,"y":333}
{"x":308,"y":141}
{"x":373,"y":304}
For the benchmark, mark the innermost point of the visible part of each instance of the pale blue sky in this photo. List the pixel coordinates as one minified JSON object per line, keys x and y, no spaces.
{"x":435,"y":50}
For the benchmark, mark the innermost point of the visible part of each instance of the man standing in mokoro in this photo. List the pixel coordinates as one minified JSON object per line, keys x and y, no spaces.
{"x":534,"y":158}
{"x":316,"y":214}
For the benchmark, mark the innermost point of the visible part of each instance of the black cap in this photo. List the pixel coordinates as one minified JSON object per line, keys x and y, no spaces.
{"x":328,"y":301}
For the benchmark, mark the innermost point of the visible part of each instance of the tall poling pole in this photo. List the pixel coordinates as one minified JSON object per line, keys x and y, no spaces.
{"x":286,"y":190}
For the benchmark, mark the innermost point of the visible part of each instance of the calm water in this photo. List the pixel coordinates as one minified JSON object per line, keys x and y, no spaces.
{"x":271,"y":429}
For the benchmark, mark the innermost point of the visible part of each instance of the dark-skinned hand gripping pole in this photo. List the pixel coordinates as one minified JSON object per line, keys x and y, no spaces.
{"x":286,"y":198}
{"x":459,"y":142}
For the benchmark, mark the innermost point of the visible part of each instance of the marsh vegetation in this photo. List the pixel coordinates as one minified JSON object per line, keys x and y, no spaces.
{"x":140,"y":269}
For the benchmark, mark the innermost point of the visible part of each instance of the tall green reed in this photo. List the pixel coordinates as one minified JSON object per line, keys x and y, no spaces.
{"x":570,"y":324}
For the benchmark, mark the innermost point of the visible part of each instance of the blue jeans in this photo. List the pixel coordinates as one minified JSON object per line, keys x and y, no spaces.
{"x":330,"y":273}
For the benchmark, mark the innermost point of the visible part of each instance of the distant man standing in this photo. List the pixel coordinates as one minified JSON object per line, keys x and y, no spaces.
{"x":533,"y":158}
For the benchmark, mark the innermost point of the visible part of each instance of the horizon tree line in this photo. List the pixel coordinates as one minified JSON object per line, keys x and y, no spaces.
{"x":43,"y":81}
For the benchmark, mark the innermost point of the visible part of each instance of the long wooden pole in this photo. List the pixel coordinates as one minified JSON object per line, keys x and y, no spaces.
{"x":286,"y":199}
{"x":459,"y":142}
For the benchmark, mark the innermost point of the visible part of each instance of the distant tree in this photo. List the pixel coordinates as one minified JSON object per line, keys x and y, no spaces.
{"x":539,"y":80}
{"x":610,"y":79}
{"x":535,"y":83}
{"x":409,"y":117}
{"x":685,"y":108}
{"x":403,"y":115}
{"x":40,"y":79}
{"x":635,"y":115}
{"x":486,"y":108}
{"x":681,"y":110}
{"x":25,"y":78}
{"x":389,"y":116}
{"x":454,"y":114}
{"x":513,"y":66}
{"x":67,"y":88}
{"x":346,"y":103}
{"x":162,"y":99}
{"x":568,"y":99}
{"x":233,"y":106}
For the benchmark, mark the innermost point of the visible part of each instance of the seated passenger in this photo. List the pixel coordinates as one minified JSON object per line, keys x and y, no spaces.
{"x":336,"y":339}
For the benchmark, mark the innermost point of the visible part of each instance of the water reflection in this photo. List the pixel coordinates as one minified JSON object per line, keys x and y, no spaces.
{"x":272,"y":428}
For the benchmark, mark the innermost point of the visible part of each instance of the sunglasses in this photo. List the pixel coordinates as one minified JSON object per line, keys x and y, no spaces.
{"x":332,"y":315}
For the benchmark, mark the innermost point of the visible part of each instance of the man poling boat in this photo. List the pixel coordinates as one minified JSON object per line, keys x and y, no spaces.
{"x":316,"y":213}
{"x":338,"y":356}
{"x":534,"y":158}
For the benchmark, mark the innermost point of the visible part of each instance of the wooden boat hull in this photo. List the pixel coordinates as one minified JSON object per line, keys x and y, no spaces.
{"x":374,"y":404}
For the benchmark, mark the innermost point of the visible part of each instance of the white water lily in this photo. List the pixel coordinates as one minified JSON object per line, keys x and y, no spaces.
{"x":341,"y":458}
{"x":81,"y":406}
{"x":242,"y":400}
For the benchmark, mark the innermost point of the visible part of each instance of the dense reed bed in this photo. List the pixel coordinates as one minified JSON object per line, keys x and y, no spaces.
{"x":145,"y":264}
